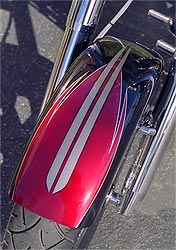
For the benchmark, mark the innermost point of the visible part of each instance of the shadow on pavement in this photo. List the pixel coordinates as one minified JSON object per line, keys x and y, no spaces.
{"x":23,"y":73}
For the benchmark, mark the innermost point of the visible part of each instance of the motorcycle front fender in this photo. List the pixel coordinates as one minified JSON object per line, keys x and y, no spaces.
{"x":63,"y":167}
{"x":73,"y":147}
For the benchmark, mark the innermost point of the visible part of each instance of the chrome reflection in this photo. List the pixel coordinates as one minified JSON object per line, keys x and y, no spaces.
{"x":141,"y":175}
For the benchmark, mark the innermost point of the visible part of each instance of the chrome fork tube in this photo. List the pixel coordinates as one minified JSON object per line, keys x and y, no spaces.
{"x":82,"y":19}
{"x":137,"y":190}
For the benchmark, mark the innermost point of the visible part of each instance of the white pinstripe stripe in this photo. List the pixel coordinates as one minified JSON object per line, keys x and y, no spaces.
{"x":76,"y":125}
{"x":79,"y":145}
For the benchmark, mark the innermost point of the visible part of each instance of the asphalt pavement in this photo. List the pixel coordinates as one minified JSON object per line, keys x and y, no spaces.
{"x":30,"y":34}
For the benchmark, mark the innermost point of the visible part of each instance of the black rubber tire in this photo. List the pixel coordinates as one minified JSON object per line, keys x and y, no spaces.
{"x":26,"y":230}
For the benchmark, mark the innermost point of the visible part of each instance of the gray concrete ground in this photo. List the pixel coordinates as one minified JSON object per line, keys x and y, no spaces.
{"x":30,"y":34}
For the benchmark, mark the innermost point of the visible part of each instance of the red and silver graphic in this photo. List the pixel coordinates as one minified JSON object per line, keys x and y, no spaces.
{"x":86,"y":130}
{"x":73,"y":148}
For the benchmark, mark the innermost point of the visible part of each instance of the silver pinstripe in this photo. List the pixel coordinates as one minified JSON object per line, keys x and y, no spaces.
{"x":79,"y":145}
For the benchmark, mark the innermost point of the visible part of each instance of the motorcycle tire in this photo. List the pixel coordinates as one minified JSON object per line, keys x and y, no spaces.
{"x":26,"y":230}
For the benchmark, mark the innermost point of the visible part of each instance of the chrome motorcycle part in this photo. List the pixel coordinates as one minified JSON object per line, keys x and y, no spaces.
{"x":166,"y":47}
{"x":163,"y":18}
{"x":147,"y":125}
{"x":82,"y":19}
{"x":147,"y":131}
{"x":137,"y":189}
{"x":114,"y":198}
{"x":157,"y":15}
